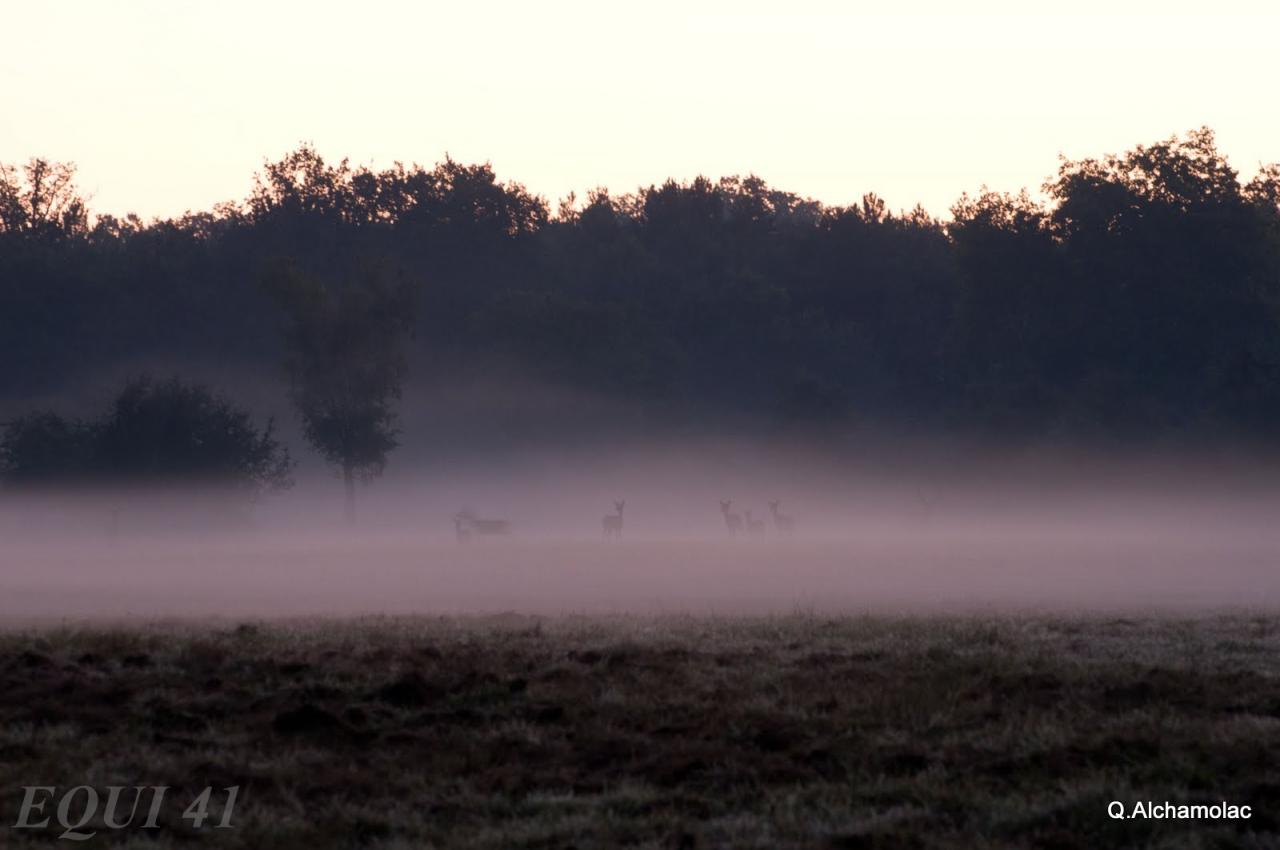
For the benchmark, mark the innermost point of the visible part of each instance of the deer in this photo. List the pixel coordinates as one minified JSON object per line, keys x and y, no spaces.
{"x":754,"y":526}
{"x":783,"y":523}
{"x":474,"y":526}
{"x":733,"y":522}
{"x":928,"y":499}
{"x":613,"y":522}
{"x":461,"y":529}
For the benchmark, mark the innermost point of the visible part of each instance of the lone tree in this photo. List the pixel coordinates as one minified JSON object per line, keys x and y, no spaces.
{"x":154,"y":433}
{"x":346,"y":364}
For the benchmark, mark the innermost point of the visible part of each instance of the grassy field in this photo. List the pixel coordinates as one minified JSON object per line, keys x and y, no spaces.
{"x":677,"y":732}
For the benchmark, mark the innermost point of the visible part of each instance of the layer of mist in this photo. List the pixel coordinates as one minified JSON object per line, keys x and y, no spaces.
{"x":881,"y":528}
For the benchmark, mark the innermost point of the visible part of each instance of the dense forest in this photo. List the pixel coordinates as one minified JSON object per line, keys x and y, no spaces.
{"x":1138,"y":297}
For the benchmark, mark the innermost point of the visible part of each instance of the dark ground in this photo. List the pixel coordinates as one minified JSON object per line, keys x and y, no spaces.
{"x":799,"y":731}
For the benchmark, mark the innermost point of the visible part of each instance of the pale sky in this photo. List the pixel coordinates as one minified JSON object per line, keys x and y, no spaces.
{"x":172,"y":105}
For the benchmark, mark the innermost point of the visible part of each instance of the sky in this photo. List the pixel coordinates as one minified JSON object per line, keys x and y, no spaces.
{"x":173,"y":105}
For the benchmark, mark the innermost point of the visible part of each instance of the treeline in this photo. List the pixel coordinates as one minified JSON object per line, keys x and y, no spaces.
{"x":1139,"y":298}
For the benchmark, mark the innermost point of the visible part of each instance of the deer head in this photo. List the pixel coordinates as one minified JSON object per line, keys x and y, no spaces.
{"x":618,"y":506}
{"x":724,"y":506}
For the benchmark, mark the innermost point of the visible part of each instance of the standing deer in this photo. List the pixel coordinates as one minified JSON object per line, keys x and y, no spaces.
{"x":754,"y":526}
{"x":613,"y":522}
{"x":473,"y":525}
{"x":783,"y":523}
{"x":927,"y":499}
{"x":461,"y":529}
{"x":733,"y":522}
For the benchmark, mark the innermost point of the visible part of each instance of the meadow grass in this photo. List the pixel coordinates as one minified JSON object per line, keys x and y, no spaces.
{"x":798,"y":731}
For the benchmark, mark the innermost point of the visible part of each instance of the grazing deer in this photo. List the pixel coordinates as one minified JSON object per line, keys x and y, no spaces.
{"x":754,"y":526}
{"x":613,"y":522}
{"x":733,"y":522}
{"x":783,"y":523}
{"x":480,"y":527}
{"x":928,"y":499}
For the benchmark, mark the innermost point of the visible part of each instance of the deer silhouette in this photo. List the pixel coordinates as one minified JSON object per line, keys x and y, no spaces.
{"x":783,"y":523}
{"x":754,"y":526}
{"x":613,"y":522}
{"x":467,"y":525}
{"x":733,"y":522}
{"x":928,"y":499}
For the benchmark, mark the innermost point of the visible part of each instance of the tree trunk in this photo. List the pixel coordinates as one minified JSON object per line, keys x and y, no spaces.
{"x":349,"y":482}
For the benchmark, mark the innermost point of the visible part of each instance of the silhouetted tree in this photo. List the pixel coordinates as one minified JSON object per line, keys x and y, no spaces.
{"x":346,"y":364}
{"x":1171,"y":274}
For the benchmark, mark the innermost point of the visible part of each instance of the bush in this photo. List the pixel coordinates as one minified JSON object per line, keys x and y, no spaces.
{"x":170,"y":432}
{"x":45,"y":447}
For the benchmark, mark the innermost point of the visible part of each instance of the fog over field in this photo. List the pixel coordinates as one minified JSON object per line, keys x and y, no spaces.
{"x":883,"y":528}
